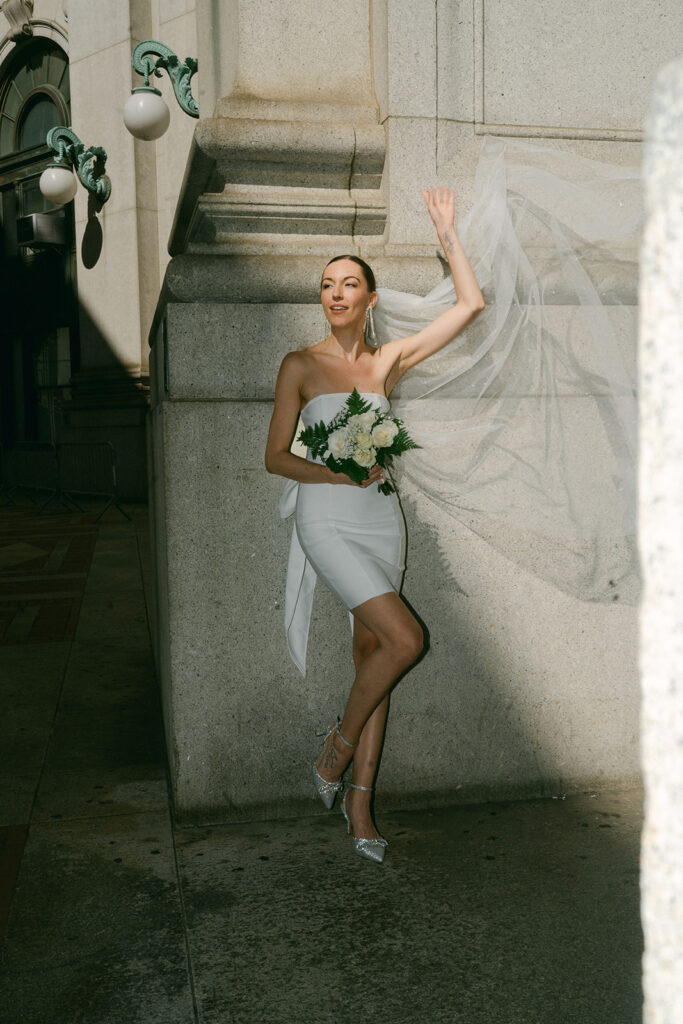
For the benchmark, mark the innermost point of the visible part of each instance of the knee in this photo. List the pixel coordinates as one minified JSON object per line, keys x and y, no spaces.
{"x":364,"y":650}
{"x":409,"y":644}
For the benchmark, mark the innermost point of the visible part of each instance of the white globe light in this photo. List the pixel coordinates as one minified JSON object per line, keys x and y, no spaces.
{"x":58,"y":183}
{"x":145,"y":114}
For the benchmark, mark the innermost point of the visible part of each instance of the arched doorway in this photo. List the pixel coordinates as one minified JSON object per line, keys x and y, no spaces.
{"x":39,"y":336}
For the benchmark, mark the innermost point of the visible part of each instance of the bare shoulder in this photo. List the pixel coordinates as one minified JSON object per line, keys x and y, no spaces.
{"x":289,"y":377}
{"x":293,"y":365}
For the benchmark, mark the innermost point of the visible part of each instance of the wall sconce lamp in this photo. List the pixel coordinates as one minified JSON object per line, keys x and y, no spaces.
{"x":58,"y":183}
{"x":145,"y":114}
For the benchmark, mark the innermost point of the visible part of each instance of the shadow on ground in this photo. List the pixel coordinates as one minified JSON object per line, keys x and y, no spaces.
{"x":519,"y":912}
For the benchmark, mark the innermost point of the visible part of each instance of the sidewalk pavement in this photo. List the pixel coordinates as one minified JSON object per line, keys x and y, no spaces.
{"x":514,"y":913}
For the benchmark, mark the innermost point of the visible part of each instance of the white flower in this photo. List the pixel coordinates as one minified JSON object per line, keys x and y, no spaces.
{"x":363,"y":440}
{"x":337,"y":442}
{"x":363,"y":420}
{"x":364,"y":457}
{"x":384,"y":434}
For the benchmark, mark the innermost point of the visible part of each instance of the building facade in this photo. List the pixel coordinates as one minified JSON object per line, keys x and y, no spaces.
{"x":156,"y":324}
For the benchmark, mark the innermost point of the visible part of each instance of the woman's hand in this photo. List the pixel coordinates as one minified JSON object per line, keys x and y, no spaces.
{"x":440,"y":204}
{"x":375,"y":476}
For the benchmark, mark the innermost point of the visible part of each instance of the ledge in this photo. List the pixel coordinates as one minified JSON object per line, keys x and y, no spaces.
{"x":263,"y":157}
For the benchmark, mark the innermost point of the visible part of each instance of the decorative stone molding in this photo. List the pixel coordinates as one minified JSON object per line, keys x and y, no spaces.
{"x":18,"y":14}
{"x":280,"y":182}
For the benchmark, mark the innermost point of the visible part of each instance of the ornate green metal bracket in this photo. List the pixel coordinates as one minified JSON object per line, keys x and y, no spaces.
{"x":149,"y":57}
{"x":88,"y":163}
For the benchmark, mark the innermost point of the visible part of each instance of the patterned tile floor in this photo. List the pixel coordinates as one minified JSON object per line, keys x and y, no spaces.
{"x":44,"y":562}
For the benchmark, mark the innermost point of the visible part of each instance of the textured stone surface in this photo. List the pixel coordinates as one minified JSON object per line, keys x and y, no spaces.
{"x":336,"y":68}
{"x":455,"y":60}
{"x":268,"y":278}
{"x":478,"y":914}
{"x":100,"y":939}
{"x":411,"y":160}
{"x":661,"y":504}
{"x":253,"y":54}
{"x":487,"y":711}
{"x":412,"y":71}
{"x":573,"y":66}
{"x":88,"y":35}
{"x":241,"y":348}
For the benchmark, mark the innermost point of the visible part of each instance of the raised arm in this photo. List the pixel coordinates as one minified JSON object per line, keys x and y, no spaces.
{"x":410,"y":351}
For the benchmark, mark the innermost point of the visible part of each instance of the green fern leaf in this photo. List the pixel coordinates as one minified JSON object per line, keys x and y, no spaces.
{"x":315,"y":438}
{"x":357,"y":405}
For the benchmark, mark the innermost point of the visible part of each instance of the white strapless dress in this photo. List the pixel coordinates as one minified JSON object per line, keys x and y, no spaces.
{"x":353,"y":538}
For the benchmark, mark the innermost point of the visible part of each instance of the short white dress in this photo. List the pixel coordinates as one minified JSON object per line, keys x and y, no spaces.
{"x":352,"y":538}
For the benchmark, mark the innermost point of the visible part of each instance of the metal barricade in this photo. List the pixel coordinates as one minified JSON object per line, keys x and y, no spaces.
{"x":87,"y":469}
{"x":29,"y":467}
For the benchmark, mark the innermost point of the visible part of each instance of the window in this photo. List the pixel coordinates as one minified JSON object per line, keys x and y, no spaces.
{"x":34,"y":95}
{"x":36,"y":118}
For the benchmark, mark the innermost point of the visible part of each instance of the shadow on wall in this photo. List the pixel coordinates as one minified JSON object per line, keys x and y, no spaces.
{"x":67,"y":386}
{"x":109,"y":401}
{"x":91,"y":243}
{"x":520,"y":694}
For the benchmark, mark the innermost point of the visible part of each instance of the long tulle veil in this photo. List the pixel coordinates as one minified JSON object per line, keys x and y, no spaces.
{"x":528,"y":419}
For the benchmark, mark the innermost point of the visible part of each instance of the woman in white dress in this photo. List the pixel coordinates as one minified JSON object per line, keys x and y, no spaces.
{"x":352,"y":535}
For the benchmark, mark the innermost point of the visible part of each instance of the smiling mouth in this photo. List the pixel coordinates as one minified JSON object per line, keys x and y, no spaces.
{"x":338,"y":309}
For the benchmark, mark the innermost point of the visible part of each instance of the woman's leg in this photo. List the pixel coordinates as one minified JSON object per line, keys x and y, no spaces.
{"x":367,"y":755}
{"x":399,"y":643}
{"x":387,"y":640}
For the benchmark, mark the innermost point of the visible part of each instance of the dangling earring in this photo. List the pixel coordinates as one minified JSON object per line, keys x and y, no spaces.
{"x":370,"y":336}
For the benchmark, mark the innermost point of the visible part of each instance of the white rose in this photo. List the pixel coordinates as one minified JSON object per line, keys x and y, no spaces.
{"x":364,"y":457}
{"x":363,"y":440}
{"x":336,"y":442}
{"x":363,"y":420}
{"x":384,"y":434}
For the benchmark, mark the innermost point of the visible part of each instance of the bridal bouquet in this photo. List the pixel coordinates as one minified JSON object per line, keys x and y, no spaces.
{"x":358,"y":438}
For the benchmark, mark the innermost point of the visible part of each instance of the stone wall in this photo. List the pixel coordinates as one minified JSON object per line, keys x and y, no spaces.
{"x":525,"y":690}
{"x":121,"y":249}
{"x":661,"y":507}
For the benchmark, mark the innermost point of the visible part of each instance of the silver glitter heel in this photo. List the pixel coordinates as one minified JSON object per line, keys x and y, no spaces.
{"x":327,"y":791}
{"x":373,"y":849}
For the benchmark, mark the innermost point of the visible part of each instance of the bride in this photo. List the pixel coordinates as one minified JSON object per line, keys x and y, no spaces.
{"x":352,"y":536}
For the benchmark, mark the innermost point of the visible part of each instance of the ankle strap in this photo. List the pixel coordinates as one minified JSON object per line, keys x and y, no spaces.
{"x":335,"y":728}
{"x":345,"y":742}
{"x":366,"y":789}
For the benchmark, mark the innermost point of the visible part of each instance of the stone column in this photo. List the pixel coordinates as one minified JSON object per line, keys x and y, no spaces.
{"x":285,"y":171}
{"x":301,"y":154}
{"x":661,"y":506}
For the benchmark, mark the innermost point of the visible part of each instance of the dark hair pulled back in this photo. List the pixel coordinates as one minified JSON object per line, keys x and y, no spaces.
{"x":365,"y":267}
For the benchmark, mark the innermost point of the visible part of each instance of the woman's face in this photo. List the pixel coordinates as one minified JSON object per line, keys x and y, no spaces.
{"x":344,"y":293}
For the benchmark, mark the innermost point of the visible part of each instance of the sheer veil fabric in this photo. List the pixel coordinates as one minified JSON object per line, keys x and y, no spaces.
{"x":528,"y":419}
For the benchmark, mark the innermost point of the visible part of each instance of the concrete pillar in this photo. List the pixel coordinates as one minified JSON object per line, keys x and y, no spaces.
{"x":295,"y":159}
{"x":661,"y":506}
{"x":302,"y":55}
{"x":287,"y":172}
